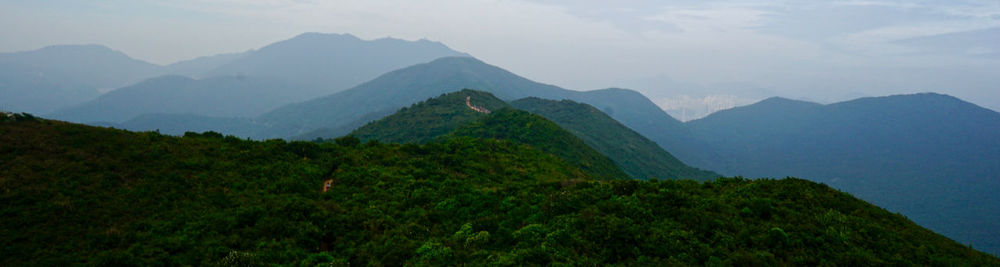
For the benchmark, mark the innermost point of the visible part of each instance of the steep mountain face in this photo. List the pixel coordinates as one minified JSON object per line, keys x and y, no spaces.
{"x":329,"y":115}
{"x":138,"y":199}
{"x":636,"y":155}
{"x":469,"y":113}
{"x":328,"y":63}
{"x":931,"y":157}
{"x":231,"y":96}
{"x":46,"y":79}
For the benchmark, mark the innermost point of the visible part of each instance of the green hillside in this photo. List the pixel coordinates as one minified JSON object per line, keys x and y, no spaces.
{"x":430,"y":119}
{"x":636,"y":155}
{"x":81,"y":195}
{"x":933,"y":158}
{"x":536,"y":131}
{"x":449,"y":115}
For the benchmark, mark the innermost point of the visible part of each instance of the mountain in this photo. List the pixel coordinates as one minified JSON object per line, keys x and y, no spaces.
{"x":43,"y":80}
{"x":199,"y":66}
{"x":253,"y":82}
{"x":449,"y":116}
{"x":430,"y":119}
{"x":333,"y":115}
{"x":538,"y":132}
{"x":328,"y":63}
{"x":928,"y":156}
{"x":230,"y":96}
{"x":123,"y":199}
{"x":636,"y":155}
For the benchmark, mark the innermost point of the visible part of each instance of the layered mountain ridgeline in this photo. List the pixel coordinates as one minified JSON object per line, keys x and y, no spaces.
{"x":231,"y":96}
{"x":338,"y":114}
{"x":636,"y":155}
{"x":332,"y":62}
{"x":469,"y":113}
{"x":931,"y":157}
{"x":43,"y":80}
{"x":439,"y":116}
{"x":77,"y":194}
{"x":309,"y":65}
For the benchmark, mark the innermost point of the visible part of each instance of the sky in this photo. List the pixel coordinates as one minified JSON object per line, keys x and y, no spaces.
{"x":690,"y":57}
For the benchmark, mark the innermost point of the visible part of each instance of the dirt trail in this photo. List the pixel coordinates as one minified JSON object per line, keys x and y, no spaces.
{"x":468,"y":103}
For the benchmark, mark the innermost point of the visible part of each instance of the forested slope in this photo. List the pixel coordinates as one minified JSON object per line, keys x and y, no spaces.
{"x":76,"y":194}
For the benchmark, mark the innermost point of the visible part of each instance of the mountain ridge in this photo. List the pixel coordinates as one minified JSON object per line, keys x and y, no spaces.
{"x":928,"y":156}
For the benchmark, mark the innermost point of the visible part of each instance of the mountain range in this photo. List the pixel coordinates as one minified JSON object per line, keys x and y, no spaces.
{"x":931,"y":157}
{"x":344,"y":111}
{"x":61,"y":79}
{"x":634,"y":153}
{"x":589,"y":134}
{"x":44,"y":80}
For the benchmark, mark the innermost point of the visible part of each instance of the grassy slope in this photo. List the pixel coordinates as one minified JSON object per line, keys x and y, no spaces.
{"x":636,"y":155}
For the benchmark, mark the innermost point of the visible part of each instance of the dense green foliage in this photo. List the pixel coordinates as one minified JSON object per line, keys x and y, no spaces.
{"x":536,"y":131}
{"x":439,"y":116}
{"x":448,"y":115}
{"x":75,"y":194}
{"x":430,"y":119}
{"x":931,"y":157}
{"x":636,"y":155}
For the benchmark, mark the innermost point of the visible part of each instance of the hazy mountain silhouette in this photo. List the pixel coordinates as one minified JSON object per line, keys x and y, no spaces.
{"x":58,"y":77}
{"x":43,"y":80}
{"x":230,"y":96}
{"x":931,"y":157}
{"x":327,"y":63}
{"x":200,"y":66}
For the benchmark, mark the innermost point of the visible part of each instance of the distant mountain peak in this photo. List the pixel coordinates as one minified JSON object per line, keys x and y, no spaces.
{"x":325,"y":36}
{"x":78,"y":47}
{"x":73,"y":50}
{"x":782,"y":100}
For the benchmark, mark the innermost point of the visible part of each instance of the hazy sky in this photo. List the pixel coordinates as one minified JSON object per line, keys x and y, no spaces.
{"x":818,"y":50}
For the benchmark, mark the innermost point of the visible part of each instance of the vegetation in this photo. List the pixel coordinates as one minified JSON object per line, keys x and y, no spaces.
{"x":430,"y":119}
{"x":636,"y":155}
{"x":80,"y":195}
{"x":536,"y":131}
{"x":448,"y":116}
{"x":931,"y":157}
